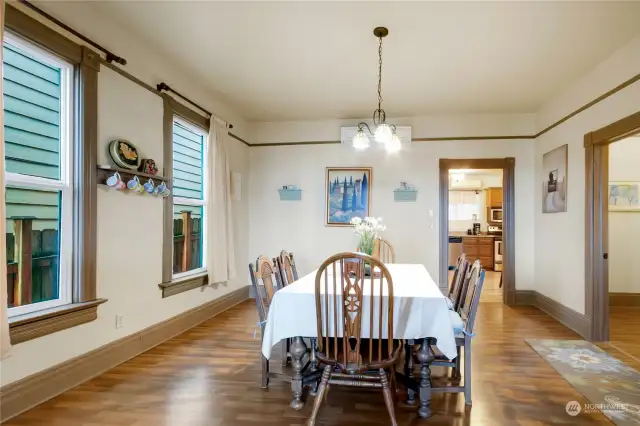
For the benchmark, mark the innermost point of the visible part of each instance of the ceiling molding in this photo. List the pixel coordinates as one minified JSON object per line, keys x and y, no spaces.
{"x":583,"y":108}
{"x":590,"y":104}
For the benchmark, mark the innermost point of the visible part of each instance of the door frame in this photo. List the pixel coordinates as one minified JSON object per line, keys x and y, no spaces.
{"x":508,"y":217}
{"x":596,"y":275}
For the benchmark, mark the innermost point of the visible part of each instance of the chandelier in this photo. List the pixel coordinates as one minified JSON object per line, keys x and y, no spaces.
{"x":384,"y":133}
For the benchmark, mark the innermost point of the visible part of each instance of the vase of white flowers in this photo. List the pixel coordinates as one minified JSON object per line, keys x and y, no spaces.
{"x":367,"y":230}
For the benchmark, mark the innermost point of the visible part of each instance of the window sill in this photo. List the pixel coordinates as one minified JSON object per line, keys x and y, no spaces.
{"x":183,"y":284}
{"x":37,"y":324}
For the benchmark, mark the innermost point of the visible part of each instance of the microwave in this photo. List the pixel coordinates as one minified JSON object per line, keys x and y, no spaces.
{"x":495,"y":215}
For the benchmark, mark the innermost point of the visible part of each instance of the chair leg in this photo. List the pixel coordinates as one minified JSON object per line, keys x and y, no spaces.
{"x":393,"y":384}
{"x":323,"y":390}
{"x":456,"y":369}
{"x":388,"y":398}
{"x":467,"y":371}
{"x":265,"y":372}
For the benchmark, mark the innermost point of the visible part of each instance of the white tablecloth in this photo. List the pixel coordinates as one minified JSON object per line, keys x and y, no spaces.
{"x":419,"y":310}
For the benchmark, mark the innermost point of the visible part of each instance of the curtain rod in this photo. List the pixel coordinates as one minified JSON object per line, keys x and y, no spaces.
{"x":164,"y":86}
{"x":111,"y":57}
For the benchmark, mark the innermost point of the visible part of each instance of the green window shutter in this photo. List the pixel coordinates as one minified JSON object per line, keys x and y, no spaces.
{"x":187,"y":163}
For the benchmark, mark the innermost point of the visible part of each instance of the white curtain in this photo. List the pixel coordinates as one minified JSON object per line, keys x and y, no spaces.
{"x":220,"y":248}
{"x":5,"y":343}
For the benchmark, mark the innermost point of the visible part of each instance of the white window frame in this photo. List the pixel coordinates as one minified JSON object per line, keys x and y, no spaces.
{"x":64,"y":184}
{"x":194,"y":202}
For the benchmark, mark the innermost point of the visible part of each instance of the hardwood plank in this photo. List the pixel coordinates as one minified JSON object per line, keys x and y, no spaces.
{"x":210,"y":375}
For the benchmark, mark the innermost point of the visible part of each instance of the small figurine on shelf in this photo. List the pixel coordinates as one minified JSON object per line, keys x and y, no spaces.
{"x":148,"y":166}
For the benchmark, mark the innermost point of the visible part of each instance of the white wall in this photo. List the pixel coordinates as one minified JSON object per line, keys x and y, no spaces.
{"x":130,"y":225}
{"x":299,"y":226}
{"x":624,"y":227}
{"x":559,"y":237}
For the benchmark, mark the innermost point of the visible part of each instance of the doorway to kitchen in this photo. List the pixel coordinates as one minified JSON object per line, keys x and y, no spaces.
{"x":475,"y":224}
{"x":477,"y":218}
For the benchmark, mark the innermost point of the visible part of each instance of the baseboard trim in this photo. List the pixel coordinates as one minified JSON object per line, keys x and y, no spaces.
{"x":631,"y":300}
{"x":24,"y":394}
{"x":525,"y":297}
{"x":578,"y":322}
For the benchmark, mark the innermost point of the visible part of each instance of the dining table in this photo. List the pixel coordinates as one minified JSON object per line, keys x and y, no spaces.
{"x":420,"y":317}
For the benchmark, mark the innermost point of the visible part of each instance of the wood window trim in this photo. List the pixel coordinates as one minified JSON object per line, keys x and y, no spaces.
{"x":187,"y":113}
{"x":86,"y":63}
{"x":169,"y":285}
{"x":37,"y":324}
{"x":180,"y":285}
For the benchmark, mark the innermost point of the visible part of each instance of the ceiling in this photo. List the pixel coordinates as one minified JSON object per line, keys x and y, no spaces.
{"x":276,"y":61}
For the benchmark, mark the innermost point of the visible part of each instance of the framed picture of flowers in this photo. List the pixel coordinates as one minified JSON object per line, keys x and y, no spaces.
{"x":347,"y":194}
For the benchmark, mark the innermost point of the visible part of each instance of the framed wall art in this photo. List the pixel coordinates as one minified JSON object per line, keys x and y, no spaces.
{"x":347,"y":194}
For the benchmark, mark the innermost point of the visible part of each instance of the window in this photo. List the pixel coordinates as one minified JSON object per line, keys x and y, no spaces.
{"x":38,"y":119}
{"x":189,"y":198}
{"x":463,"y":205}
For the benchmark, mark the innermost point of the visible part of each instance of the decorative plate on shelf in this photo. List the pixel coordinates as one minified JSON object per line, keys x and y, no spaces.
{"x":124,"y":154}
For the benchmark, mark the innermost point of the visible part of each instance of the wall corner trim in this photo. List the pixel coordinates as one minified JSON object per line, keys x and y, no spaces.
{"x":26,"y":393}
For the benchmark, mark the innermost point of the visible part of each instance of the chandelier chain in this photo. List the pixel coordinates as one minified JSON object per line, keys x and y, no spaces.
{"x":380,"y":75}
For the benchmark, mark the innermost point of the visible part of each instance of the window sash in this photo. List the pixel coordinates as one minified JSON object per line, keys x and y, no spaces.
{"x":194,"y":201}
{"x":63,"y":184}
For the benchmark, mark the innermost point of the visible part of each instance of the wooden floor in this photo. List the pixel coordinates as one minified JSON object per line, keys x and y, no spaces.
{"x":491,"y":291}
{"x":624,"y":323}
{"x":209,"y":376}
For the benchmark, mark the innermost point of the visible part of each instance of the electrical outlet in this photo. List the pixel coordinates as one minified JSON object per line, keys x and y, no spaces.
{"x":119,"y":321}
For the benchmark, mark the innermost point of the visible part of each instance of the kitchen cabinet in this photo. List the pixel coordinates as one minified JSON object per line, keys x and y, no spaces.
{"x":479,"y":247}
{"x":494,"y":197}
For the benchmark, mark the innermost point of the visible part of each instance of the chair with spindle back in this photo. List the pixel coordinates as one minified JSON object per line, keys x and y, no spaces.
{"x":266,"y":281}
{"x":385,"y":251}
{"x":287,"y":268}
{"x":455,"y":290}
{"x":355,"y":327}
{"x":463,"y":322}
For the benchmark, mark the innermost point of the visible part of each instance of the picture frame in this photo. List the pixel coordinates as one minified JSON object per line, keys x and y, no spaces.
{"x":554,"y":185}
{"x":347,"y":194}
{"x":623,"y":196}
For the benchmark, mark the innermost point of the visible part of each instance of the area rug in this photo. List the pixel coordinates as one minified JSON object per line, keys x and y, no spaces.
{"x":610,"y":386}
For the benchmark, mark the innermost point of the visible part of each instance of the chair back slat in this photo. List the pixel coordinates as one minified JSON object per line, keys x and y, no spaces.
{"x":347,"y":309}
{"x":469,"y":303}
{"x":266,"y":281}
{"x":287,"y":268}
{"x":458,"y":281}
{"x":387,"y":254}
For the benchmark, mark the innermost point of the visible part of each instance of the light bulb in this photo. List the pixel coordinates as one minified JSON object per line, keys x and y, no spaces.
{"x":360,"y":140}
{"x":383,"y":133}
{"x":395,"y":144}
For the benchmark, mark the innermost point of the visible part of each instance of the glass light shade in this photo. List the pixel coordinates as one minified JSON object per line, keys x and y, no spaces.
{"x":383,"y":133}
{"x":361,"y":140}
{"x":395,"y":144}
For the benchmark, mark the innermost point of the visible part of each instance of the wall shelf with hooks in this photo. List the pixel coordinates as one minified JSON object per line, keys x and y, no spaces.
{"x":290,"y":194}
{"x":105,"y":171}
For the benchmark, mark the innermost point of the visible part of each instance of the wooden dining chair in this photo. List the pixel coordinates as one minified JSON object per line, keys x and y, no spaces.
{"x":385,"y":251}
{"x":287,"y":268}
{"x":463,"y":322}
{"x":455,"y":289}
{"x":266,"y":281}
{"x":355,"y":327}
